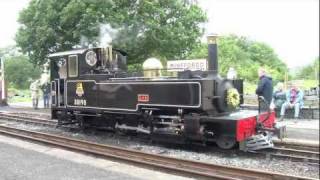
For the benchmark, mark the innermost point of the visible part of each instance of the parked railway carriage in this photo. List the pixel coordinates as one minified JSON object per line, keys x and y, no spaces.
{"x":91,"y":87}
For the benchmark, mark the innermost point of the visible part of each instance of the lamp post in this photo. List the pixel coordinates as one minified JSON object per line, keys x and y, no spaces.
{"x":3,"y":98}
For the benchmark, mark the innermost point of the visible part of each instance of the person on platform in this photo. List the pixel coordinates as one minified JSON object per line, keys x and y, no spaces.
{"x":232,"y":73}
{"x":46,"y":94}
{"x":264,"y":88}
{"x":35,"y":91}
{"x":294,"y":99}
{"x":278,"y":97}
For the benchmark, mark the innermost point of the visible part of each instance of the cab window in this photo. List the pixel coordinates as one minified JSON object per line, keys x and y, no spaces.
{"x":73,"y":66}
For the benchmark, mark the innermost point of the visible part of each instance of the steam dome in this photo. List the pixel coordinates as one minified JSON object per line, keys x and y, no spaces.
{"x":151,"y":68}
{"x":152,"y":63}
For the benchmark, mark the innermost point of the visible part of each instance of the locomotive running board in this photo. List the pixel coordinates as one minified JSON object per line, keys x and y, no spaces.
{"x":257,"y":142}
{"x":138,"y":129}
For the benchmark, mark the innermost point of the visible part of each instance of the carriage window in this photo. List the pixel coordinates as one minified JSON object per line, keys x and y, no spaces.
{"x":73,"y":66}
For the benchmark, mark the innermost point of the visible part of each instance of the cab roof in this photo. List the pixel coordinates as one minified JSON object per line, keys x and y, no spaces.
{"x":79,"y":51}
{"x":64,"y":53}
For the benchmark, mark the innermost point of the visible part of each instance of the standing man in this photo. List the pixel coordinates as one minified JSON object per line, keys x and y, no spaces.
{"x":34,"y":88}
{"x":46,"y":94}
{"x":264,"y":86}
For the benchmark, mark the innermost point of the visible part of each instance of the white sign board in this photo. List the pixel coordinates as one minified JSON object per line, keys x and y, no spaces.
{"x":192,"y":65}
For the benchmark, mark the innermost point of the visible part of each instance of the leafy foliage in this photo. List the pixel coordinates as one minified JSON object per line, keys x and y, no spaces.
{"x":310,"y":71}
{"x":19,"y":71}
{"x":9,"y":51}
{"x":166,"y":28}
{"x":246,"y":56}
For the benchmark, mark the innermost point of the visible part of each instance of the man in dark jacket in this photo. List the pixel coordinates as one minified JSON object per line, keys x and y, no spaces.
{"x":265,"y":86}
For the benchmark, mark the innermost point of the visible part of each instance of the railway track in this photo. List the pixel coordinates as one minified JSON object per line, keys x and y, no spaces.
{"x":295,"y":155}
{"x":26,"y":119}
{"x":296,"y":152}
{"x":298,"y":146}
{"x":160,"y":162}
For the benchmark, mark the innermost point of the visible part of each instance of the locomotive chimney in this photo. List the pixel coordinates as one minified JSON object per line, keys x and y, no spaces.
{"x":110,"y":53}
{"x":212,"y":54}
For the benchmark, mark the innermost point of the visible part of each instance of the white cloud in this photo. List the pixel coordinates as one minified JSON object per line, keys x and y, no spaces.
{"x":291,"y":27}
{"x":9,"y":12}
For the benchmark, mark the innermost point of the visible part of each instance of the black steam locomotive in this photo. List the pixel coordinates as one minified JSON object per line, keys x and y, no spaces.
{"x":91,"y":87}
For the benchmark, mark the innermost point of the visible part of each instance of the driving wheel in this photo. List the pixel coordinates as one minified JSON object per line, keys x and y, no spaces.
{"x":225,"y":142}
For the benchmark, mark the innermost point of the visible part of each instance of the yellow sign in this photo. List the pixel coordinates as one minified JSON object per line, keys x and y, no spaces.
{"x":79,"y":89}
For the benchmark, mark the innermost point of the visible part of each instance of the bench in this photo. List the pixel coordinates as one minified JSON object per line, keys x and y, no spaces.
{"x":306,"y":112}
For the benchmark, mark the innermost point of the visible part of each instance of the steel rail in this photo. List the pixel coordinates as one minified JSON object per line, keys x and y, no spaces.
{"x":27,"y":113}
{"x":297,"y":146}
{"x":31,"y":120}
{"x":311,"y":157}
{"x":297,"y":152}
{"x":170,"y":164}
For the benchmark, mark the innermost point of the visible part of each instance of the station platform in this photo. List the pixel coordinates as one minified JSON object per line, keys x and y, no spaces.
{"x":29,"y":161}
{"x":26,"y":107}
{"x":301,"y":131}
{"x":306,"y":112}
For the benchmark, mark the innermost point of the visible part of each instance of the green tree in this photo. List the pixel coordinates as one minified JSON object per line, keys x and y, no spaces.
{"x":9,"y":51}
{"x":264,"y":55}
{"x":310,"y":71}
{"x":166,"y":28}
{"x":19,"y":71}
{"x":245,"y":56}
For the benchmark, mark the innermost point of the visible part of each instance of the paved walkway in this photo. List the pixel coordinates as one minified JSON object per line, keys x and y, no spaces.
{"x":25,"y":107}
{"x":26,"y":104}
{"x":303,"y":130}
{"x":28,"y":161}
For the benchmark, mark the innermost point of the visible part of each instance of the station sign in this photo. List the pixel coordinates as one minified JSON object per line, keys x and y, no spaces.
{"x":192,"y":65}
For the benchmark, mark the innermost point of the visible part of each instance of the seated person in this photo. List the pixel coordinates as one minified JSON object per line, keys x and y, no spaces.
{"x":294,"y":100}
{"x":278,"y":97}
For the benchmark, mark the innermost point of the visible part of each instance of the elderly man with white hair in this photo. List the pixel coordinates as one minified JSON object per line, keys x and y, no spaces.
{"x":278,"y":97}
{"x":35,"y":92}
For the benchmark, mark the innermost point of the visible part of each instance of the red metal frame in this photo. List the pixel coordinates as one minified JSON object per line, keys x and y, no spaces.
{"x":247,"y":127}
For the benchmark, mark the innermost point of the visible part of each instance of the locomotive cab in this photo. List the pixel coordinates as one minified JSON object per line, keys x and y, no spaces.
{"x":81,"y":64}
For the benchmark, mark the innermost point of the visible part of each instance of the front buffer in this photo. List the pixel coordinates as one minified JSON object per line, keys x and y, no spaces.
{"x":254,"y":132}
{"x":251,"y":130}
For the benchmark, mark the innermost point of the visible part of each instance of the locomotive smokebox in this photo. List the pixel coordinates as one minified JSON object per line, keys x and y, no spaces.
{"x":212,"y":54}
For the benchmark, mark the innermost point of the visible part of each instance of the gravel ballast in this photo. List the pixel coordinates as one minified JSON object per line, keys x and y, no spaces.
{"x":191,"y":152}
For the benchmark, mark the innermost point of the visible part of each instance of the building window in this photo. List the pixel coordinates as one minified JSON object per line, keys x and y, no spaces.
{"x":73,"y":66}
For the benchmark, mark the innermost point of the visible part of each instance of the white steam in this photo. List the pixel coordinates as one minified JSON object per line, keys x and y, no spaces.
{"x":84,"y":41}
{"x":104,"y":39}
{"x":106,"y":35}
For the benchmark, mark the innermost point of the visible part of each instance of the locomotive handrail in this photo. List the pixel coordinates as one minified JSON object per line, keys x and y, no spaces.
{"x":262,"y":99}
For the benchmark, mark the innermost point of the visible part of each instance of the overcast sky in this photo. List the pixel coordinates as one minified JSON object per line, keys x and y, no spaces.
{"x":291,"y":27}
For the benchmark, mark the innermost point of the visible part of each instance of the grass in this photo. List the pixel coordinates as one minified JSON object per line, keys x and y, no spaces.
{"x":19,"y":95}
{"x":249,"y":88}
{"x":307,"y":84}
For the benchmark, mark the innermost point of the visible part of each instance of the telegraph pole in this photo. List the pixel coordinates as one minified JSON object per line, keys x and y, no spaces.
{"x":285,"y":80}
{"x":3,"y":98}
